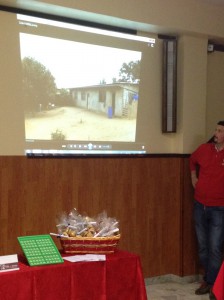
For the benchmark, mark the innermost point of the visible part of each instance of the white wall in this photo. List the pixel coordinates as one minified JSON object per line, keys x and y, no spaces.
{"x":215,"y":91}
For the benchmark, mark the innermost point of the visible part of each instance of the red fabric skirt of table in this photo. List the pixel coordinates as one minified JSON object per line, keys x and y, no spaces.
{"x":118,"y":278}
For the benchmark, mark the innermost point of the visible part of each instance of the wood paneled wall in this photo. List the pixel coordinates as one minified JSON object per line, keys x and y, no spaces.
{"x":150,"y":196}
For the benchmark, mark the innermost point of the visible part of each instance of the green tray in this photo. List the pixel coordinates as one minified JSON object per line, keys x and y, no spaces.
{"x":40,"y":250}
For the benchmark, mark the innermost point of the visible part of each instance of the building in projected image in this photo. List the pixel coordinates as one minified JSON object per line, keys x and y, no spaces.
{"x":116,"y":100}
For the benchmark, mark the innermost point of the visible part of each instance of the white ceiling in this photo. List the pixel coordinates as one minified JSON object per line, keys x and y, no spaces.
{"x":39,"y":6}
{"x":214,"y":2}
{"x":211,"y":2}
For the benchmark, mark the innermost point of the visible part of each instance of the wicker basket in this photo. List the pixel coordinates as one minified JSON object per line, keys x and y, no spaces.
{"x":97,"y":245}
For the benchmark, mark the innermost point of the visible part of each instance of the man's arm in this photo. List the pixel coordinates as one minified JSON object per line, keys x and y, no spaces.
{"x":194,"y":178}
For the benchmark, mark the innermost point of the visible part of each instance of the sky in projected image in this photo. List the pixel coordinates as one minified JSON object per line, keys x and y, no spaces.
{"x":76,"y":64}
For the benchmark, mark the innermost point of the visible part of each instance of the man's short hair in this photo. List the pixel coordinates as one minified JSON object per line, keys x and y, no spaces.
{"x":220,"y":123}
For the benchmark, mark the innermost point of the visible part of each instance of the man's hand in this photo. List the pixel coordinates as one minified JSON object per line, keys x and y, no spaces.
{"x":194,"y":178}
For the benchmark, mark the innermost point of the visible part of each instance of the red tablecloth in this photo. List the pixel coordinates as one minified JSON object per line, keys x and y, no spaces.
{"x":118,"y":278}
{"x":218,"y":288}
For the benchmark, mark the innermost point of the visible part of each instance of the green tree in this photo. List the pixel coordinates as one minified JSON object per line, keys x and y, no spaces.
{"x":63,"y":98}
{"x":38,"y":85}
{"x":103,"y":81}
{"x":130,"y":72}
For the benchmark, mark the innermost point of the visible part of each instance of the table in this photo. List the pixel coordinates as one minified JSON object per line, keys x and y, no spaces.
{"x":118,"y":278}
{"x":218,"y":288}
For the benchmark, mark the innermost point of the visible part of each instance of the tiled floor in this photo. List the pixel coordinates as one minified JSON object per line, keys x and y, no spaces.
{"x":174,"y":291}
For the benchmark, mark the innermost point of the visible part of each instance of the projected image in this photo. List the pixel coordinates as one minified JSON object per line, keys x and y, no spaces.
{"x":77,"y":91}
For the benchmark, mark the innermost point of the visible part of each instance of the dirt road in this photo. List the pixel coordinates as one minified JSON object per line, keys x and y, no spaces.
{"x":79,"y":124}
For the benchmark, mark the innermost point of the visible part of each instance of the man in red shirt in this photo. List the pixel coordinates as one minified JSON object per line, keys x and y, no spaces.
{"x":207,"y":175}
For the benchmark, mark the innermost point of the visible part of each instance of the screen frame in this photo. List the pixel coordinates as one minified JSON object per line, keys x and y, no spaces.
{"x":41,"y":15}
